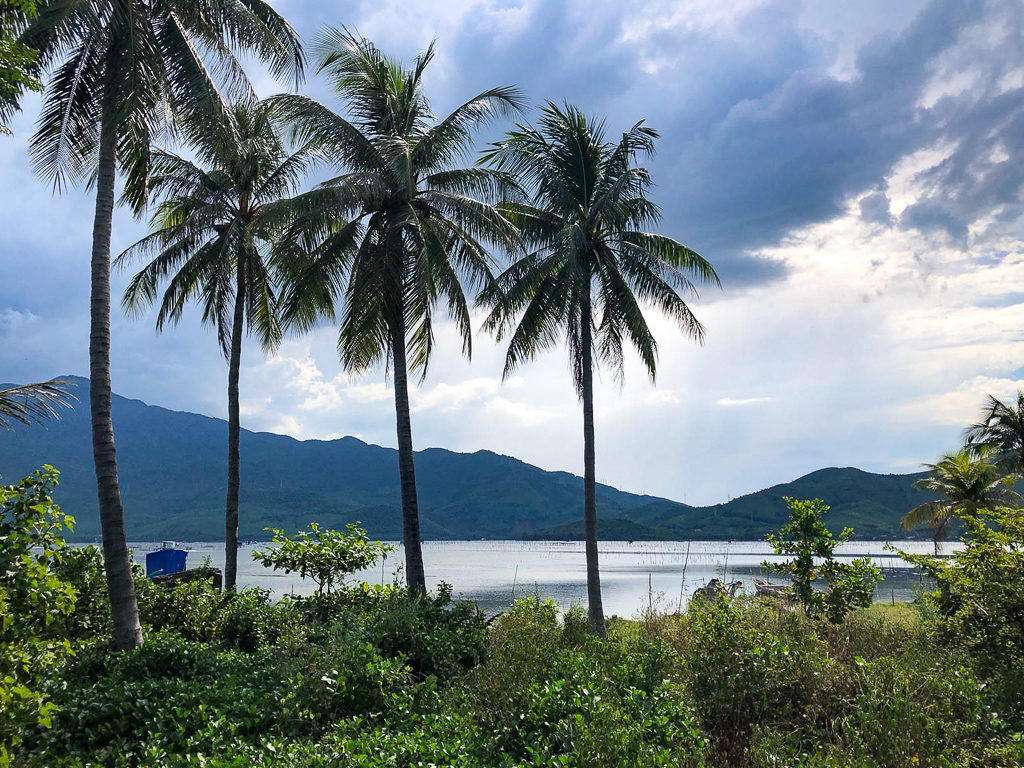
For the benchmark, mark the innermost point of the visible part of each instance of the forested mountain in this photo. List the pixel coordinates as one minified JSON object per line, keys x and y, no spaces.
{"x":173,"y":481}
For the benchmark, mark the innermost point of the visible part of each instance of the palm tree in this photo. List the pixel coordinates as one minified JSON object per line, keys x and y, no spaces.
{"x":1002,"y":428}
{"x":402,"y":228}
{"x":590,"y":262}
{"x":33,"y":403}
{"x":967,"y":481}
{"x":211,"y":237}
{"x":119,"y":69}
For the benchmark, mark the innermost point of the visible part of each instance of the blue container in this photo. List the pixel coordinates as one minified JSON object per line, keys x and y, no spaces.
{"x":165,"y":561}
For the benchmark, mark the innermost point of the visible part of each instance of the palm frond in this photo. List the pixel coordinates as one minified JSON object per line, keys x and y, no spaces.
{"x":34,"y":403}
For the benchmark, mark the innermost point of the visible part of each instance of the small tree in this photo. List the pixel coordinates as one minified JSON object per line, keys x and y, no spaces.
{"x":812,"y":545}
{"x":324,"y":555}
{"x":32,"y":597}
{"x":980,"y":595}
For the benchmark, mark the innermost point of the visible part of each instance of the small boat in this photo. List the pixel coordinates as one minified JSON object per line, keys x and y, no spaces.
{"x":765,"y":588}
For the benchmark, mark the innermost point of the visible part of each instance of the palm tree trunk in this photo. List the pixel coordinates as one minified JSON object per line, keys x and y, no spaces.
{"x":595,"y":606}
{"x":234,"y":459}
{"x":414,"y":574}
{"x":124,"y":608}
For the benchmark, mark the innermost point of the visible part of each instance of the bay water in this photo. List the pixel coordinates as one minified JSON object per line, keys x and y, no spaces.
{"x":634,"y":575}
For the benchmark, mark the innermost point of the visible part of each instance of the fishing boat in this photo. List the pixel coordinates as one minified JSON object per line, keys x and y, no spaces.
{"x":167,"y":566}
{"x":765,"y":588}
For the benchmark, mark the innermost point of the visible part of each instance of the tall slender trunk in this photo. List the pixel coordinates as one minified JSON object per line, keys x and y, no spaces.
{"x":414,"y":574}
{"x":124,"y":608}
{"x":595,"y":605}
{"x":234,"y":460}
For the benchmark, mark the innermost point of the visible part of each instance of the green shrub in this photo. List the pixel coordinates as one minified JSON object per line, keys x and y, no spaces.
{"x":598,"y":705}
{"x":980,"y":599}
{"x":812,"y":545}
{"x":82,"y":568}
{"x":747,"y":666}
{"x":333,"y":672}
{"x":34,"y":600}
{"x":171,"y":694}
{"x":434,"y":636}
{"x":247,"y":621}
{"x":913,"y":710}
{"x":326,"y":556}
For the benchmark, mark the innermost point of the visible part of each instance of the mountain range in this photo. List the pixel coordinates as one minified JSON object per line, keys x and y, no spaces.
{"x":172,"y":471}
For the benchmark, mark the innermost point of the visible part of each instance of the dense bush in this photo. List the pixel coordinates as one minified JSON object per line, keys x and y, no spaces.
{"x":33,"y":599}
{"x":980,"y":599}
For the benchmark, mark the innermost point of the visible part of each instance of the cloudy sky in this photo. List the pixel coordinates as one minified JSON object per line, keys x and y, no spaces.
{"x":854,"y":171}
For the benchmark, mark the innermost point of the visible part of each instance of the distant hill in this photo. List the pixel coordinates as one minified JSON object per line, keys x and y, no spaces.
{"x":172,"y":467}
{"x":870,"y":503}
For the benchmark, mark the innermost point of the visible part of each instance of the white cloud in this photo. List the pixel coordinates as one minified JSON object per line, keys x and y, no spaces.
{"x":730,"y":402}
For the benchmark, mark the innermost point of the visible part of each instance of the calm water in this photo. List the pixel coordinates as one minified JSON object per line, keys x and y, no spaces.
{"x":632,"y":574}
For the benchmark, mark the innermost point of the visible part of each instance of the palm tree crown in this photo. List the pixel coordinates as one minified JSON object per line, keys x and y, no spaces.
{"x":402,"y":228}
{"x":216,"y":223}
{"x":590,"y":260}
{"x":967,"y":481}
{"x":1001,"y":428}
{"x":33,"y":403}
{"x":140,"y":63}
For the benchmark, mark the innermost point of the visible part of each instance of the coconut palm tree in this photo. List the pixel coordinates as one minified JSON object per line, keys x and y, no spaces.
{"x":211,"y":239}
{"x":401,"y":229}
{"x":33,"y":403}
{"x":589,"y":265}
{"x":1002,"y":428}
{"x":118,"y":70}
{"x":967,"y":481}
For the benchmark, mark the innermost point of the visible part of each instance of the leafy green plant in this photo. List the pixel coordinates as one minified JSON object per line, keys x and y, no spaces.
{"x":82,"y":568}
{"x":812,"y":545}
{"x":980,"y":598}
{"x":324,"y":555}
{"x":32,"y":598}
{"x":436,"y":637}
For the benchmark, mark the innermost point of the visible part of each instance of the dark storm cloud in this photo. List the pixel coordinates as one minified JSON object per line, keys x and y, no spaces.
{"x":758,"y":137}
{"x":874,"y":209}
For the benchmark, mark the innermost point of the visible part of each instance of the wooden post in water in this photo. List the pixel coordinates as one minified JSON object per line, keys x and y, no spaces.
{"x":682,"y":581}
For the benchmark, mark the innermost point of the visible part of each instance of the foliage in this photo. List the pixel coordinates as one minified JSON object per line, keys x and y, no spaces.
{"x":17,"y":61}
{"x":82,"y":568}
{"x":433,"y":636}
{"x":1001,"y":429}
{"x":588,"y":254}
{"x":215,"y":223}
{"x":968,"y":480}
{"x":324,"y":555}
{"x":980,"y":598}
{"x":811,"y":543}
{"x":32,"y":598}
{"x":415,"y":223}
{"x":33,"y":403}
{"x":747,"y":667}
{"x":139,"y":68}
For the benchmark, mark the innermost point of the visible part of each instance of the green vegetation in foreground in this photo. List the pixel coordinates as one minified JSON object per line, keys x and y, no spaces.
{"x":379,"y":677}
{"x":173,"y":464}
